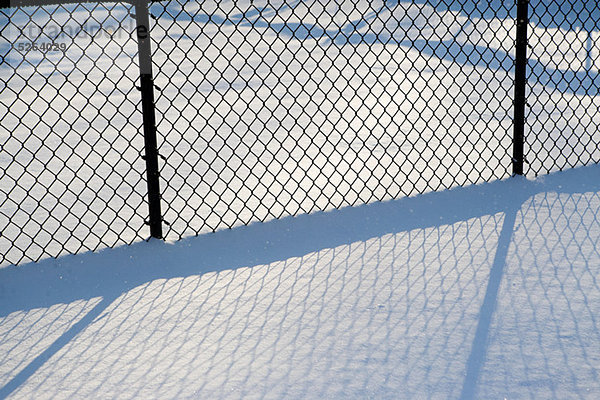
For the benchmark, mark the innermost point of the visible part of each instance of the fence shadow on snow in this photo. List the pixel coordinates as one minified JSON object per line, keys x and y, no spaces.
{"x":463,"y":292}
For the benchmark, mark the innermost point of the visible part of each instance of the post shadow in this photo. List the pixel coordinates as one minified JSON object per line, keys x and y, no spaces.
{"x":480,"y":342}
{"x":54,"y":348}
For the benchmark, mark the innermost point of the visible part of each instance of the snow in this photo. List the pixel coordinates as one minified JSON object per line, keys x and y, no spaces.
{"x":485,"y":291}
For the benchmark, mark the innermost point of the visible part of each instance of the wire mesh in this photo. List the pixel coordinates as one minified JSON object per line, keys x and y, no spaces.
{"x":272,"y":108}
{"x":564,"y":85}
{"x":71,"y":176}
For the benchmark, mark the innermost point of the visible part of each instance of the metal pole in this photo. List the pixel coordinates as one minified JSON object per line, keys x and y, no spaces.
{"x":520,"y":86}
{"x":150,"y":145}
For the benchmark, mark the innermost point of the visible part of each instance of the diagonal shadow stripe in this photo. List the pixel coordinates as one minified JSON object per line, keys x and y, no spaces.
{"x":54,"y":348}
{"x":480,"y":342}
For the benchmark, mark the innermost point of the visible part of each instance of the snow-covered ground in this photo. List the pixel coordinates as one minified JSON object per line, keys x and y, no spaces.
{"x":268,"y":109}
{"x":488,"y":292}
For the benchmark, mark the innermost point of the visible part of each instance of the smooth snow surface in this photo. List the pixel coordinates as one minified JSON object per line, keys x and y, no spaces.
{"x":488,"y":291}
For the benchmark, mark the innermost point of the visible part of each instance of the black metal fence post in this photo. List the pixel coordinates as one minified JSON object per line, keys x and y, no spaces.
{"x":520,"y":86}
{"x":148,"y":109}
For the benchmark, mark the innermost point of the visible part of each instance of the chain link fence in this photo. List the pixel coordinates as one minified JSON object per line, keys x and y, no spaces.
{"x":254,"y":110}
{"x":563,"y":85}
{"x":70,"y":167}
